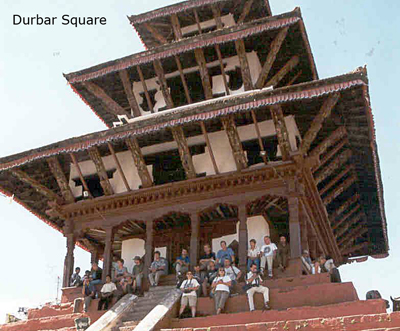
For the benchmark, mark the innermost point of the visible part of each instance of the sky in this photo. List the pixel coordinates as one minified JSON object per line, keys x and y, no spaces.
{"x":39,"y":108}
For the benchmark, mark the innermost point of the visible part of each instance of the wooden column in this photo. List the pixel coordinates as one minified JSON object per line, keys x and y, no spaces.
{"x":304,"y":232}
{"x":244,"y":64}
{"x":294,"y":227}
{"x":228,"y":123}
{"x":281,"y":131}
{"x":94,"y":256}
{"x":148,"y":245}
{"x":108,"y":253}
{"x":204,"y":75}
{"x":163,"y":83}
{"x":194,"y":239}
{"x":184,"y":152}
{"x":243,"y":240}
{"x":69,"y":257}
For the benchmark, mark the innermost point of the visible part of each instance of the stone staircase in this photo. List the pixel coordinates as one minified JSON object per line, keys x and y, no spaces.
{"x":144,"y":305}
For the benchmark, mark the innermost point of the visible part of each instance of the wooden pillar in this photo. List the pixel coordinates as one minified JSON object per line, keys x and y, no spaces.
{"x":149,"y":245}
{"x":294,"y":227}
{"x":69,"y":259}
{"x":304,"y":234}
{"x":108,"y":253}
{"x":243,"y":242}
{"x":94,"y":256}
{"x":194,"y":239}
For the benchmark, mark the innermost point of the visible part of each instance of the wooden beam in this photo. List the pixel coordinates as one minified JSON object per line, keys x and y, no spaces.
{"x":154,"y":32}
{"x":281,"y":131}
{"x":353,"y":234}
{"x":124,"y":76}
{"x":354,"y":199}
{"x":339,"y":161}
{"x":223,"y":73}
{"x":260,"y":142}
{"x":331,"y":153}
{"x":184,"y":151}
{"x":112,"y":106}
{"x":274,"y":50}
{"x":163,"y":83}
{"x":196,"y":16}
{"x":295,"y":77}
{"x":217,"y":15}
{"x":317,"y":122}
{"x":355,"y":248}
{"x":210,"y":151}
{"x":176,"y":26}
{"x":204,"y":75}
{"x":138,"y":159}
{"x":245,"y":12}
{"x":339,"y":189}
{"x":24,"y":177}
{"x":332,"y":139}
{"x":244,"y":64}
{"x":145,"y":90}
{"x":338,"y":177}
{"x":78,"y":169}
{"x":101,"y":170}
{"x":62,"y":181}
{"x":183,"y":79}
{"x":346,"y":217}
{"x":290,"y":65}
{"x":229,"y":125}
{"x":118,"y":164}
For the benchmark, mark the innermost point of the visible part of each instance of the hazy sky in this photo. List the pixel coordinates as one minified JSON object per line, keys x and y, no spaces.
{"x":38,"y":108}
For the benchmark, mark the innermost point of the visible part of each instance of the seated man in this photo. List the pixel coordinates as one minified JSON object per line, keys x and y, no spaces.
{"x":254,"y":280}
{"x":182,"y":263}
{"x":207,"y":257}
{"x":210,"y":274}
{"x":283,"y":253}
{"x":89,"y":293}
{"x":189,"y":296}
{"x":96,"y":273}
{"x":158,"y":267}
{"x":232,"y":272}
{"x":120,"y":271}
{"x":76,"y":279}
{"x":253,"y":255}
{"x":106,"y":293}
{"x":200,"y":276}
{"x":225,"y":253}
{"x":305,"y":257}
{"x":126,"y":287}
{"x":327,"y":265}
{"x":137,"y":275}
{"x":268,"y":254}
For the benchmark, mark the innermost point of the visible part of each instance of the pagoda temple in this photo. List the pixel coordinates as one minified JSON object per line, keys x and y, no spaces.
{"x":220,"y":130}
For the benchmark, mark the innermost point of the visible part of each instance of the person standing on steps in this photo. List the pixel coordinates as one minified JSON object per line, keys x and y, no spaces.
{"x":137,"y":275}
{"x":268,"y":254}
{"x":220,"y":289}
{"x":189,"y":288}
{"x":253,"y":285}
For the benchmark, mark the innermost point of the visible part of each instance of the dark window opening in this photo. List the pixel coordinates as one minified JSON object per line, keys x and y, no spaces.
{"x":93,"y":183}
{"x":145,"y":106}
{"x":253,"y":150}
{"x":235,"y":79}
{"x":168,"y":169}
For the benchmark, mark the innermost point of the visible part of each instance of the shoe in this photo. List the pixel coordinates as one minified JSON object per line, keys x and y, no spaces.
{"x":266,"y":306}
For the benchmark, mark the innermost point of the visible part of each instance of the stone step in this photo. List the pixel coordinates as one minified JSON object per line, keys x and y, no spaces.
{"x":160,"y":288}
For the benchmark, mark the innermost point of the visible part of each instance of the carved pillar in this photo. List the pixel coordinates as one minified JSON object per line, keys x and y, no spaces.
{"x":69,"y":257}
{"x":294,"y":227}
{"x":108,"y":253}
{"x":229,"y":125}
{"x":194,"y":239}
{"x":243,"y":242}
{"x":149,"y":245}
{"x":184,"y":152}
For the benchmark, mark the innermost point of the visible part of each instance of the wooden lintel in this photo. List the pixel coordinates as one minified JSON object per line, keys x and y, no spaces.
{"x":138,"y":159}
{"x":290,"y":65}
{"x":346,"y":217}
{"x":338,"y":177}
{"x":244,"y":64}
{"x":281,"y":131}
{"x":339,"y":189}
{"x":210,"y":151}
{"x":124,"y":76}
{"x":230,"y":128}
{"x":62,"y":181}
{"x":157,"y":35}
{"x":24,"y":177}
{"x":332,"y":139}
{"x":274,"y":50}
{"x":112,"y":106}
{"x":145,"y":90}
{"x":356,"y":232}
{"x":350,"y":224}
{"x":342,"y":208}
{"x":217,"y":15}
{"x":184,"y":152}
{"x":204,"y":75}
{"x":317,"y":122}
{"x":163,"y":83}
{"x":355,"y":248}
{"x":176,"y":26}
{"x":78,"y":169}
{"x":101,"y":170}
{"x":119,"y":167}
{"x":223,"y":73}
{"x":245,"y":12}
{"x":336,"y":163}
{"x":260,"y":142}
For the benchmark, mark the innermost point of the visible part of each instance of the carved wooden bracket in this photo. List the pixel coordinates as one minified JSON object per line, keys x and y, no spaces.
{"x":184,"y":151}
{"x":62,"y":181}
{"x":101,"y":170}
{"x":139,"y":162}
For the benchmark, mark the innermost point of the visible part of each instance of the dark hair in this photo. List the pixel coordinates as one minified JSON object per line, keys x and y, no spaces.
{"x":108,"y":276}
{"x":267,"y":237}
{"x":77,"y":268}
{"x":157,"y":252}
{"x":223,"y":241}
{"x":122,"y":260}
{"x":252,"y":265}
{"x":253,"y":241}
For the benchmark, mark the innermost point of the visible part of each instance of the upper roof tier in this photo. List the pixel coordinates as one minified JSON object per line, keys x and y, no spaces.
{"x":194,"y":17}
{"x":272,"y":51}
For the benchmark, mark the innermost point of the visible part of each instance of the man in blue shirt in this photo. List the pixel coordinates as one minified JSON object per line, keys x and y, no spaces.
{"x":89,"y":292}
{"x":225,"y":253}
{"x":182,"y":264}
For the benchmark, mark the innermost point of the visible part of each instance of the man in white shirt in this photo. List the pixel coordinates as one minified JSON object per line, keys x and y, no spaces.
{"x":254,"y":279}
{"x":232,"y":272}
{"x":106,"y":293}
{"x":268,"y":254}
{"x":189,"y":296}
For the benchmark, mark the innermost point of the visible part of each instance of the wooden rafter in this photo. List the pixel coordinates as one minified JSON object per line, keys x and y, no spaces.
{"x":145,"y":90}
{"x":204,"y":75}
{"x":138,"y":159}
{"x":244,"y":64}
{"x":332,"y":139}
{"x":355,"y":248}
{"x":295,"y":77}
{"x":338,"y":177}
{"x":245,"y":12}
{"x":155,"y":33}
{"x":355,"y":233}
{"x":229,"y":125}
{"x":346,"y":217}
{"x":112,"y":106}
{"x":317,"y":122}
{"x":210,"y":151}
{"x":339,"y":161}
{"x":339,"y":189}
{"x":124,"y":76}
{"x":78,"y":169}
{"x":260,"y":142}
{"x":176,"y":26}
{"x":354,"y":199}
{"x":101,"y":170}
{"x":332,"y":153}
{"x":62,"y":181}
{"x":24,"y":177}
{"x":350,"y":224}
{"x":119,"y":167}
{"x":217,"y":16}
{"x":183,"y":79}
{"x":184,"y":152}
{"x":281,"y":131}
{"x":163,"y":83}
{"x":290,"y":65}
{"x":221,"y":65}
{"x":274,"y":50}
{"x":196,"y":16}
